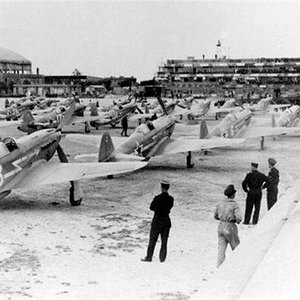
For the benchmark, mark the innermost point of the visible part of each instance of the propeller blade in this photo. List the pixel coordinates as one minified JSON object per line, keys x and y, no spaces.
{"x":61,"y":154}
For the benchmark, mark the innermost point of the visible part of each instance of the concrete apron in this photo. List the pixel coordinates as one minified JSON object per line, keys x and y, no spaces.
{"x":266,"y":265}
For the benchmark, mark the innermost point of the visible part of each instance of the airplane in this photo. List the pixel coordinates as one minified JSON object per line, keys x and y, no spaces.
{"x":264,"y":105}
{"x":113,"y":116}
{"x":25,"y":164}
{"x":237,"y":125}
{"x":52,"y":119}
{"x":150,"y":139}
{"x":288,"y":118}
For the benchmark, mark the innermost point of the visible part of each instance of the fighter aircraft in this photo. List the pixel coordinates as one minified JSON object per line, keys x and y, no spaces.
{"x":52,"y":119}
{"x":288,"y":118}
{"x":150,"y":139}
{"x":25,"y":164}
{"x":237,"y":125}
{"x":264,"y":105}
{"x":113,"y":116}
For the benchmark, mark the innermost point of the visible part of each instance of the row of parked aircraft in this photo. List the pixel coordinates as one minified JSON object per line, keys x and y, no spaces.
{"x":26,"y":162}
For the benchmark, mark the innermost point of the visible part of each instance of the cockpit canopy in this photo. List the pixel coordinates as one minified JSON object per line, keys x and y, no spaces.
{"x":10,"y":144}
{"x":145,"y":128}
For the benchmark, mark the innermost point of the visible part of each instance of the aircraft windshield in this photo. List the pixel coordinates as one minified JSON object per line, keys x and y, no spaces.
{"x":10,"y":143}
{"x":145,"y":128}
{"x":142,"y":129}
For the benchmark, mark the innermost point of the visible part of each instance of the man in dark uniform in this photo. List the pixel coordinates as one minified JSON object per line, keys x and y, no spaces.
{"x":161,"y":223}
{"x":252,"y":185}
{"x":124,"y":123}
{"x":272,"y":183}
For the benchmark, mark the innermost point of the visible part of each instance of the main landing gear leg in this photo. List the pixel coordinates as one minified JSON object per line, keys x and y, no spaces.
{"x":189,"y":163}
{"x":75,"y":193}
{"x":262,"y":143}
{"x":87,"y":128}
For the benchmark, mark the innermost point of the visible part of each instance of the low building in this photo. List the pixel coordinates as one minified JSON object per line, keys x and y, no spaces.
{"x":15,"y":69}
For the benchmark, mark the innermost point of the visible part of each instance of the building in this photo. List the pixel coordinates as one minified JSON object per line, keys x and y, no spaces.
{"x":16,"y":79}
{"x":15,"y":69}
{"x":260,"y":71}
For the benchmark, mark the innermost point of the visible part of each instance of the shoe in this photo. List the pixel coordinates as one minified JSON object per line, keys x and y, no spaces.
{"x":146,"y":259}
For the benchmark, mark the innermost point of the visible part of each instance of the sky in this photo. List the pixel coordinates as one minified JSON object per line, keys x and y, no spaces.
{"x":133,"y":38}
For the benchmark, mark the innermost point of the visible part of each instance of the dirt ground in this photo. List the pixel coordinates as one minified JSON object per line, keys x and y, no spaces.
{"x":50,"y":250}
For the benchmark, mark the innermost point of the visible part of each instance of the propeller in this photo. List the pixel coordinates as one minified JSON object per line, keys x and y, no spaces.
{"x":75,"y":191}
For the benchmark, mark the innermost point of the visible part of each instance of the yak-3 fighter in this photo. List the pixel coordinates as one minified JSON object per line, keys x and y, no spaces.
{"x":150,"y":139}
{"x":264,"y":105}
{"x":289,"y":118}
{"x":25,"y":164}
{"x":237,"y":125}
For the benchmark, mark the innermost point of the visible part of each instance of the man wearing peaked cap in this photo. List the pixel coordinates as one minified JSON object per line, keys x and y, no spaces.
{"x":272,"y":183}
{"x":252,"y":185}
{"x":161,"y":223}
{"x":165,"y":182}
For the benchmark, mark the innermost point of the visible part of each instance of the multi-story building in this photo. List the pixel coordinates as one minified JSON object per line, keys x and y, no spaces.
{"x":258,"y":70}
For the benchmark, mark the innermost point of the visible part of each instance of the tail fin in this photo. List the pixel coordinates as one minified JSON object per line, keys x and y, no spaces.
{"x":203,"y":130}
{"x":273,"y":121}
{"x":106,"y":148}
{"x":27,"y":118}
{"x":239,"y":102}
{"x":94,"y":110}
{"x":67,"y":116}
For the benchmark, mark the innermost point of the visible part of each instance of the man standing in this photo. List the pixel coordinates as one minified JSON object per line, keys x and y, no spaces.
{"x":161,"y":223}
{"x":124,"y":123}
{"x":228,"y":213}
{"x":272,"y":183}
{"x":252,"y":185}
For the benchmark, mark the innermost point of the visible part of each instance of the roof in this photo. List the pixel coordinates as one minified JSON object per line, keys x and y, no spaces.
{"x":7,"y":55}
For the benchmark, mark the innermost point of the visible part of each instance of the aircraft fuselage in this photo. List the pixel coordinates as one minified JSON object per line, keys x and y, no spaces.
{"x":18,"y":156}
{"x":148,"y":137}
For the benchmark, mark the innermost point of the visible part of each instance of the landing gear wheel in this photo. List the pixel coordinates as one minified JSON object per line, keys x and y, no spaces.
{"x":113,"y":125}
{"x":75,"y":202}
{"x":87,"y":129}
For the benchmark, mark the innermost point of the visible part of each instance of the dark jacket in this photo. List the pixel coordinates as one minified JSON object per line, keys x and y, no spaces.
{"x":124,"y":122}
{"x":272,"y":179}
{"x":161,"y":205}
{"x":254,"y":181}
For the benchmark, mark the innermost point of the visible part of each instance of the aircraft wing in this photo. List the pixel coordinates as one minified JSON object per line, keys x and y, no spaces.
{"x":276,"y":106}
{"x":76,"y":119}
{"x":253,"y":132}
{"x":136,"y":117}
{"x":9,"y":123}
{"x":50,"y":173}
{"x":172,"y":146}
{"x":93,"y":140}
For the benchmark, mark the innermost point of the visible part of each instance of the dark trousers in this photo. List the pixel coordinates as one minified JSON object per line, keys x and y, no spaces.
{"x":272,"y":197}
{"x":124,"y":130}
{"x":154,"y":233}
{"x":253,"y":200}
